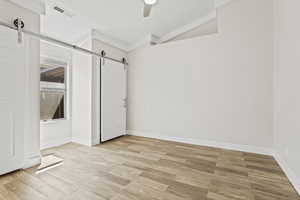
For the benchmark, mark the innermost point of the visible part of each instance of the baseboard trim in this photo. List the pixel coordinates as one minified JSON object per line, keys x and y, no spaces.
{"x":236,"y":147}
{"x":221,"y":3}
{"x":32,"y":161}
{"x":55,"y":143}
{"x":288,"y":171}
{"x":82,"y":141}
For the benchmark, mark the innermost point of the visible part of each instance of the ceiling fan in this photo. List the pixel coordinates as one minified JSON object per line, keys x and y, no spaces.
{"x":148,"y":7}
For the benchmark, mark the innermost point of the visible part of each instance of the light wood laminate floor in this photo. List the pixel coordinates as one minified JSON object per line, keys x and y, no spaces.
{"x":135,"y":168}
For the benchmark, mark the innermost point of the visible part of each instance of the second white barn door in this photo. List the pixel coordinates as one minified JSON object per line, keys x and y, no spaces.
{"x":113,"y":100}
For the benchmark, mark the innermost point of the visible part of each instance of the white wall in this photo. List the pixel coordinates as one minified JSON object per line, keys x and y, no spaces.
{"x":287,"y":93}
{"x":82,"y":96}
{"x":213,"y":88}
{"x":9,"y":12}
{"x":59,"y":131}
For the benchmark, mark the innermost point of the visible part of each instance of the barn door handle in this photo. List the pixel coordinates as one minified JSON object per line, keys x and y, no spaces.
{"x":125,"y":103}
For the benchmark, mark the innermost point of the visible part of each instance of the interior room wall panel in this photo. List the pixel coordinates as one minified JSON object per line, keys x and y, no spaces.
{"x":286,"y":87}
{"x":215,"y":88}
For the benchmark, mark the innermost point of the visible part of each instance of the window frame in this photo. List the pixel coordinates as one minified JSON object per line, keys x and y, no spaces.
{"x":66,"y":86}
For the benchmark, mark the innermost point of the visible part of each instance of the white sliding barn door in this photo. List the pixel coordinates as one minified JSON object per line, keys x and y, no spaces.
{"x":12,"y":92}
{"x":113,"y":100}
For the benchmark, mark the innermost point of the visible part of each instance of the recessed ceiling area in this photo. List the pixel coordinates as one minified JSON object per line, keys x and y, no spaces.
{"x":122,"y":20}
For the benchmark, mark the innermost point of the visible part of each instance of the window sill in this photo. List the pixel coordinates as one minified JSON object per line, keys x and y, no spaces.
{"x":52,"y":121}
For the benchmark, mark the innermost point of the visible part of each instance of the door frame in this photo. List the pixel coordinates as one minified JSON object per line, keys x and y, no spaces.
{"x":96,"y":100}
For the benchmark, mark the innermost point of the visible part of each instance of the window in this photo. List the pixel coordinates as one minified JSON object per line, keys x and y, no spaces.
{"x":53,"y":92}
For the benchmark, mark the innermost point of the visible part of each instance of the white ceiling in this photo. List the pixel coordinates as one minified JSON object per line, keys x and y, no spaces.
{"x":121,"y":19}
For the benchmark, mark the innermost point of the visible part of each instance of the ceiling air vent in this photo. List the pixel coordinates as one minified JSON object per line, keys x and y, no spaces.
{"x":63,"y":11}
{"x":58,"y":9}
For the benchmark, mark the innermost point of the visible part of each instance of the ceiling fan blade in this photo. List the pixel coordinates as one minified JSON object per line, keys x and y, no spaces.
{"x":147,"y":10}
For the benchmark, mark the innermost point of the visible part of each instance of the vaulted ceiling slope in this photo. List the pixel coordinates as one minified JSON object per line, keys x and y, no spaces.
{"x":121,"y":19}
